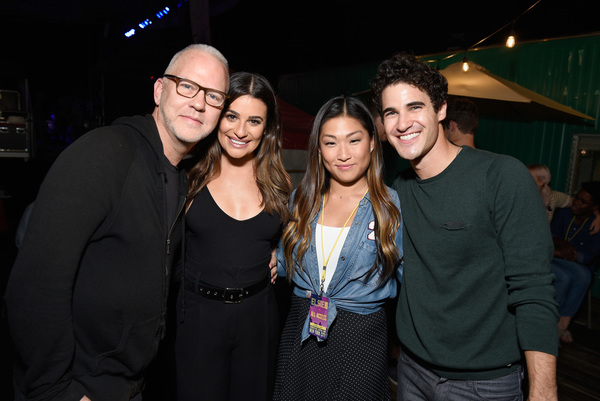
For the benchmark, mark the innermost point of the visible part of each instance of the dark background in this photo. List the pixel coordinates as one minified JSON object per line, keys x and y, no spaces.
{"x":80,"y":65}
{"x":77,"y":70}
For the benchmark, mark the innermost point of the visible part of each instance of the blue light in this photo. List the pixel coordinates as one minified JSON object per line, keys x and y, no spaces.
{"x":162,"y":13}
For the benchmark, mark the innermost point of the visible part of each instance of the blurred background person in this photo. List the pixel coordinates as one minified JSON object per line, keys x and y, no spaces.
{"x":555,"y":199}
{"x":461,"y":122}
{"x":576,"y":253}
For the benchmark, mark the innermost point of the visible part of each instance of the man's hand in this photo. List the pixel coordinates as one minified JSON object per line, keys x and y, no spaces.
{"x":564,"y":250}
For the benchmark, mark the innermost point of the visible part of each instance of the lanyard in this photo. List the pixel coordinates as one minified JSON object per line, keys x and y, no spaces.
{"x":576,"y":232}
{"x":325,"y":261}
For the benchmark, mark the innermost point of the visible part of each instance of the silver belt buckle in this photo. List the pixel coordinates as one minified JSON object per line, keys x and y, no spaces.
{"x":233,"y":295}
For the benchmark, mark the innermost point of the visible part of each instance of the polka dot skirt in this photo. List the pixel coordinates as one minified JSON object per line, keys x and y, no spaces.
{"x":350,"y":365}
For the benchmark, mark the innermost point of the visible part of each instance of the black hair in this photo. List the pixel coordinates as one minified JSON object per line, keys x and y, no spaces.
{"x":592,"y":188}
{"x":406,"y":68}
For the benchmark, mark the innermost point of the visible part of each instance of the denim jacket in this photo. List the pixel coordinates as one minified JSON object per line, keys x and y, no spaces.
{"x":348,"y":289}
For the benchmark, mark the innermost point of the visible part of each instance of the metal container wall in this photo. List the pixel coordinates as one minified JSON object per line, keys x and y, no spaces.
{"x":565,"y":70}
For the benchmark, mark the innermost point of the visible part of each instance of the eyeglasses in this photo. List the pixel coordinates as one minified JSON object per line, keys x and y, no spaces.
{"x":189,"y":89}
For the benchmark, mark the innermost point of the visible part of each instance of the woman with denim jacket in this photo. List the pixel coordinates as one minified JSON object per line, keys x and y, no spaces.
{"x":342,"y":252}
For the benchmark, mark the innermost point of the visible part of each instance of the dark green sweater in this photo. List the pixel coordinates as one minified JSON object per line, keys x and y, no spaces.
{"x":477,"y":288}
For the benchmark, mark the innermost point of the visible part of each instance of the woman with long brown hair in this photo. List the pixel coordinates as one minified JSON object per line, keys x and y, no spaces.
{"x":227,"y":331}
{"x":342,"y":252}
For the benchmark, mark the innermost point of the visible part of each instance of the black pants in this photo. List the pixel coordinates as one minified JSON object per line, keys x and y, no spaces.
{"x":227,"y":351}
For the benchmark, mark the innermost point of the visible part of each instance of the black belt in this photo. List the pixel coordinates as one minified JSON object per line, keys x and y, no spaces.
{"x":227,"y":295}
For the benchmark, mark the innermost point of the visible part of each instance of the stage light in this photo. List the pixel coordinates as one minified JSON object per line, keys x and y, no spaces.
{"x":147,"y":22}
{"x":163,"y":12}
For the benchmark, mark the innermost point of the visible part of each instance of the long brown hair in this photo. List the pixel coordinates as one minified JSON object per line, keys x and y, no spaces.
{"x":273,"y":181}
{"x":315,"y":183}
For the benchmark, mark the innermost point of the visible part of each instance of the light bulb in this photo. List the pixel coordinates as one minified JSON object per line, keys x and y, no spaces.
{"x":465,"y":65}
{"x":510,"y":41}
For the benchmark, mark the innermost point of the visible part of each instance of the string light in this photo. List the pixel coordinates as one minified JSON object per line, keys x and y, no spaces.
{"x":511,"y":41}
{"x":503,"y":27}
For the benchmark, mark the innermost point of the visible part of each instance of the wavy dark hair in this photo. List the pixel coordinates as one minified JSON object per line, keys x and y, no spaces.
{"x":406,"y":68}
{"x":315,"y":183}
{"x":273,"y":181}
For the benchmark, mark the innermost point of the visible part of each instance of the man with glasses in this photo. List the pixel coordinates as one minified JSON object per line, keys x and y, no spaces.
{"x":86,"y":300}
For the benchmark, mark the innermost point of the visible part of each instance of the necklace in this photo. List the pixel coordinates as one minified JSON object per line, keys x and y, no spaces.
{"x":576,"y":232}
{"x":326,"y":260}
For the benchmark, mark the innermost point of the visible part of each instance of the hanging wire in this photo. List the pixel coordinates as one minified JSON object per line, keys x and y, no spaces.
{"x":504,"y":26}
{"x":512,"y":21}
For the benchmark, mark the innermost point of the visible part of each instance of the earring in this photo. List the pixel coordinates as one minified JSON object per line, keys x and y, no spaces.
{"x":371,"y":149}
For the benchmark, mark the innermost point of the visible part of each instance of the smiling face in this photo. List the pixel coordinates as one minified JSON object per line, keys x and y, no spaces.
{"x":181,"y":121}
{"x":411,"y":123}
{"x":345,"y":148}
{"x":242,"y":127}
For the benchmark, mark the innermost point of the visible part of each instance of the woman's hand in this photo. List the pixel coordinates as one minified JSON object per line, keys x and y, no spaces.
{"x":273,"y":265}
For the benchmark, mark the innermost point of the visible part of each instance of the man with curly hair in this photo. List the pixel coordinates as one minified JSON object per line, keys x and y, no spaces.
{"x":476,"y":304}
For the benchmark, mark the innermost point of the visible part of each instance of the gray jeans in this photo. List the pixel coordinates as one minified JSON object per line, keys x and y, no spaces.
{"x":415,"y":383}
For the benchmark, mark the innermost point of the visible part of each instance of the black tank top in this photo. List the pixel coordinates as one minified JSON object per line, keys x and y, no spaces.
{"x":226,"y":252}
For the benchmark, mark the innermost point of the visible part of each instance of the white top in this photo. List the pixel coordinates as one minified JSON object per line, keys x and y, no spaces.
{"x":330,"y":234}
